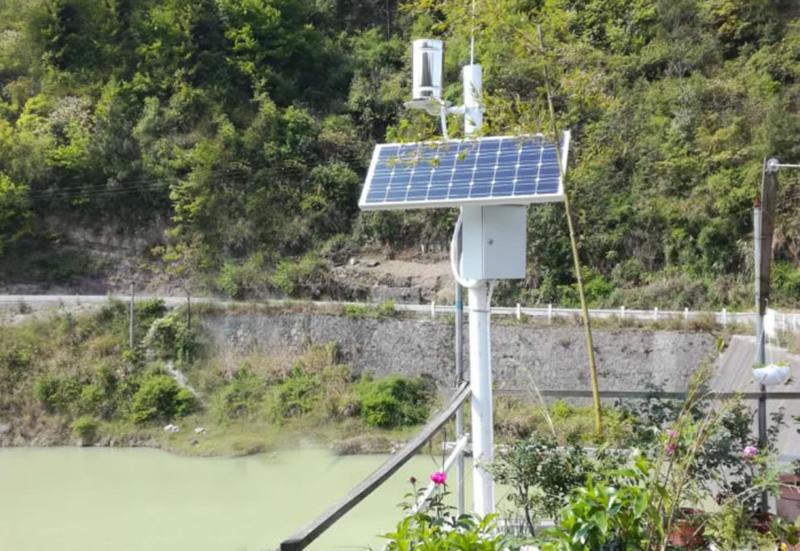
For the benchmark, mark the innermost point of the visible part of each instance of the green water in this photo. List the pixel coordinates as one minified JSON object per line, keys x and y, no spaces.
{"x":74,"y":499}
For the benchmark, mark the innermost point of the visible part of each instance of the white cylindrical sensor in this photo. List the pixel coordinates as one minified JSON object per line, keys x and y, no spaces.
{"x":427,"y":66}
{"x":473,"y":109}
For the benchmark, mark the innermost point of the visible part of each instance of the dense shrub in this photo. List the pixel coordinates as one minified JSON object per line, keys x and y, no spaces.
{"x":542,"y":474}
{"x":305,"y":276}
{"x":16,"y":360}
{"x":57,"y":394}
{"x":171,"y":338}
{"x":786,"y":279}
{"x":242,"y":280}
{"x":296,"y":395}
{"x":242,"y":396}
{"x":160,"y":398}
{"x":91,"y":398}
{"x":395,"y":401}
{"x":85,"y":428}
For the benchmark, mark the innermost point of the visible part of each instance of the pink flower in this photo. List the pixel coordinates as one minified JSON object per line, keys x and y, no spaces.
{"x":671,"y":445}
{"x":439,"y":478}
{"x":749,"y":452}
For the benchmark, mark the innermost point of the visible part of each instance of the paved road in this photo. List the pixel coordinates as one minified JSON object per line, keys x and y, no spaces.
{"x":734,"y":374}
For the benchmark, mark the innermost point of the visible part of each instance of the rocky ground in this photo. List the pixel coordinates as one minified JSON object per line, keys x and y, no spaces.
{"x":408,"y":279}
{"x":369,"y":274}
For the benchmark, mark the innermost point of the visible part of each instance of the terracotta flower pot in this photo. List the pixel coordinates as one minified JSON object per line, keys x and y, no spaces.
{"x":789,"y":499}
{"x":687,"y":530}
{"x":760,"y":521}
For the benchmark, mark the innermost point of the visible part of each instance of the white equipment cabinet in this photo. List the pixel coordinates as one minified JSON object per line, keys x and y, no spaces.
{"x":493,"y":242}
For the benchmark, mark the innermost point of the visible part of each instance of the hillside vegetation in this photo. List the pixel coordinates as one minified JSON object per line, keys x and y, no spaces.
{"x":231,"y":137}
{"x":69,"y":378}
{"x":75,"y":378}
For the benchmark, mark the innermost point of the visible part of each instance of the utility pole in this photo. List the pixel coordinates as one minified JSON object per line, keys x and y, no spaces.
{"x":131,"y":318}
{"x":763,"y":229}
{"x":188,"y":310}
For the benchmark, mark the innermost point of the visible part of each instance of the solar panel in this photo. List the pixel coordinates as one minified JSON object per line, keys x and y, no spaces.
{"x":485,"y":171}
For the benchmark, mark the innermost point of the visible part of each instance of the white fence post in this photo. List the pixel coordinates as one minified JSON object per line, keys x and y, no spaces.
{"x":519,"y":311}
{"x":655,"y":313}
{"x":550,"y":313}
{"x":622,"y":312}
{"x":433,"y":309}
{"x":724,"y":317}
{"x":686,"y":315}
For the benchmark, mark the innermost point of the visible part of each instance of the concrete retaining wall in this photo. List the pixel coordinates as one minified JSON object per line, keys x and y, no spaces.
{"x":554,"y":357}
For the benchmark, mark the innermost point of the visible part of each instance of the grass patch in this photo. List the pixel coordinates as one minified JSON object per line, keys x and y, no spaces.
{"x":516,"y":418}
{"x":385,"y":309}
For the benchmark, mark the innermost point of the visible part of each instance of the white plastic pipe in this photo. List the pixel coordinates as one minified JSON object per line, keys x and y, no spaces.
{"x":455,"y":257}
{"x":473,"y":111}
{"x":480,"y":371}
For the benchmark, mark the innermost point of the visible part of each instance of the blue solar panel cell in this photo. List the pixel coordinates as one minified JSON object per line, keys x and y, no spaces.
{"x":485,"y":165}
{"x":508,"y":170}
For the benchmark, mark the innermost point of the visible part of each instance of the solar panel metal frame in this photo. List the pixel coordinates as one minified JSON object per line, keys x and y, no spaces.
{"x":527,"y":199}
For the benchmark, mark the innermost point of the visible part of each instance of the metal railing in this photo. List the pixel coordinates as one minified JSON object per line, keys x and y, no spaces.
{"x":643,"y":394}
{"x":303,"y":537}
{"x":787,"y":321}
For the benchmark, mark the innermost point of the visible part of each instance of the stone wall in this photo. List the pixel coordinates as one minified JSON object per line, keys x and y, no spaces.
{"x":553,"y":357}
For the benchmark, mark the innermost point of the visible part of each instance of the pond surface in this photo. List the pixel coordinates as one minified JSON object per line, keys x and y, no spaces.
{"x":85,"y":499}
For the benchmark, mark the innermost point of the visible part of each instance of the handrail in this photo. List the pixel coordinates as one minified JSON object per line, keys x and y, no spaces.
{"x":458,"y":449}
{"x":641,"y":394}
{"x":302,"y":538}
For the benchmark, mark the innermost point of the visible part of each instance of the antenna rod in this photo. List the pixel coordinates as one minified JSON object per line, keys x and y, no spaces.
{"x":598,"y":412}
{"x":472,"y":37}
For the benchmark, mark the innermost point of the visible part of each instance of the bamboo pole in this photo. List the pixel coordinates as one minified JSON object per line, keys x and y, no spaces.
{"x":598,"y":412}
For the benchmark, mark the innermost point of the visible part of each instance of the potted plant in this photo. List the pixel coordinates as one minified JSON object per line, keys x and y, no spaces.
{"x":789,"y":497}
{"x":687,"y":530}
{"x":771,"y":374}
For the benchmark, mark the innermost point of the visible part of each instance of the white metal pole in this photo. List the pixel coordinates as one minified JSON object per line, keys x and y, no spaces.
{"x":131,"y":316}
{"x":473,"y":112}
{"x":480,"y":372}
{"x":480,"y":348}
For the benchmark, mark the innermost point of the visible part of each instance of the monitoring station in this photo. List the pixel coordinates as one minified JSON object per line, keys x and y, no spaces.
{"x":492,"y":180}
